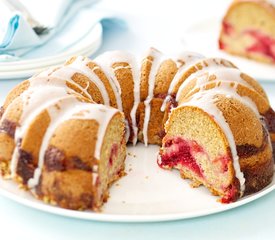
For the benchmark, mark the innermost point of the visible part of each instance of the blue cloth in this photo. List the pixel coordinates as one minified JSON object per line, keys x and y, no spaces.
{"x":76,"y":20}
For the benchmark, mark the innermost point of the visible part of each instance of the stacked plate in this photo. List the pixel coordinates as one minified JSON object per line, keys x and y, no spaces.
{"x":26,"y":68}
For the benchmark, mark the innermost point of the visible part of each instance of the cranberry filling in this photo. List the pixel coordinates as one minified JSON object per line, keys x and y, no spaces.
{"x":223,"y":160}
{"x":114,"y":151}
{"x":263,"y":44}
{"x":231,"y":194}
{"x":161,"y":95}
{"x":180,"y":152}
{"x":172,"y":103}
{"x":227,"y":28}
{"x":221,"y":44}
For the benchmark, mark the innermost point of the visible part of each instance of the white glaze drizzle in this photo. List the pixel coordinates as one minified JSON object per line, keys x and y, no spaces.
{"x":71,"y":108}
{"x":229,"y":74}
{"x":158,"y":58}
{"x":106,"y":61}
{"x":186,"y":58}
{"x":190,"y":60}
{"x":207,"y":64}
{"x":79,"y":65}
{"x":205,"y":100}
{"x":229,"y":89}
{"x":94,"y":179}
{"x":65,"y":75}
{"x":103,"y":63}
{"x":221,"y":73}
{"x":34,"y":100}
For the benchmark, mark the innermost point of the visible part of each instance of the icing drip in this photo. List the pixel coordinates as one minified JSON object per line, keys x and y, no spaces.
{"x":70,"y":108}
{"x":219,"y":72}
{"x":228,"y":89}
{"x":228,"y":74}
{"x":207,"y":64}
{"x":206,"y":102}
{"x":79,"y":65}
{"x":63,"y":74}
{"x":106,"y":61}
{"x":186,"y":58}
{"x":102,"y":62}
{"x":34,"y":101}
{"x":190,"y":61}
{"x":157,"y":60}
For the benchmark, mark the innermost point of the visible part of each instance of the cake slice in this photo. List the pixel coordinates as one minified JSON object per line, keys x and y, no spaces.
{"x":207,"y":142}
{"x":248,"y":30}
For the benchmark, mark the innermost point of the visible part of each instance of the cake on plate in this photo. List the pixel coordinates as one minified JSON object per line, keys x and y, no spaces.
{"x":64,"y":131}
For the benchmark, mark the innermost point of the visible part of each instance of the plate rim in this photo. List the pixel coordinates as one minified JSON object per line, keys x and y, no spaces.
{"x":25,"y":65}
{"x":25,"y":73}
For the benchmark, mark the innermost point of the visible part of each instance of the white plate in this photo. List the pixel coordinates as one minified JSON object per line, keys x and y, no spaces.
{"x":25,"y":73}
{"x":148,"y":193}
{"x":25,"y":68}
{"x":202,"y":37}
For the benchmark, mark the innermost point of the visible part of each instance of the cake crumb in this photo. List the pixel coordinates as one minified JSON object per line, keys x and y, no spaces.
{"x":123,"y":202}
{"x":195,"y":184}
{"x":131,"y":154}
{"x":130,"y":170}
{"x":146,"y":177}
{"x":117,"y":184}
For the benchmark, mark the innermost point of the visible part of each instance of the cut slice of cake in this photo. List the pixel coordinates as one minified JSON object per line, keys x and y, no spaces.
{"x":248,"y":29}
{"x":217,"y":141}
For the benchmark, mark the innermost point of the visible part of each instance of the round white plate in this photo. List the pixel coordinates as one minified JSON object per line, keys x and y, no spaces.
{"x":148,"y":193}
{"x":203,"y":37}
{"x":26,"y":68}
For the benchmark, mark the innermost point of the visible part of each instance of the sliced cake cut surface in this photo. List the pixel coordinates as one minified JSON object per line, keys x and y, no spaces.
{"x":217,"y":142}
{"x":248,"y":30}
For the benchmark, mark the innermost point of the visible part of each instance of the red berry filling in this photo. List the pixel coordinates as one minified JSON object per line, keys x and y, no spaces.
{"x":227,"y":28}
{"x":181,"y":152}
{"x":223,"y":160}
{"x":114,"y":151}
{"x":263,"y":44}
{"x":232,"y":194}
{"x":178,"y":152}
{"x":221,"y":44}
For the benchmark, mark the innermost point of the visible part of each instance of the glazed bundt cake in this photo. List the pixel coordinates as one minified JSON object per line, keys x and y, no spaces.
{"x":63,"y":132}
{"x":248,"y":29}
{"x":52,"y":138}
